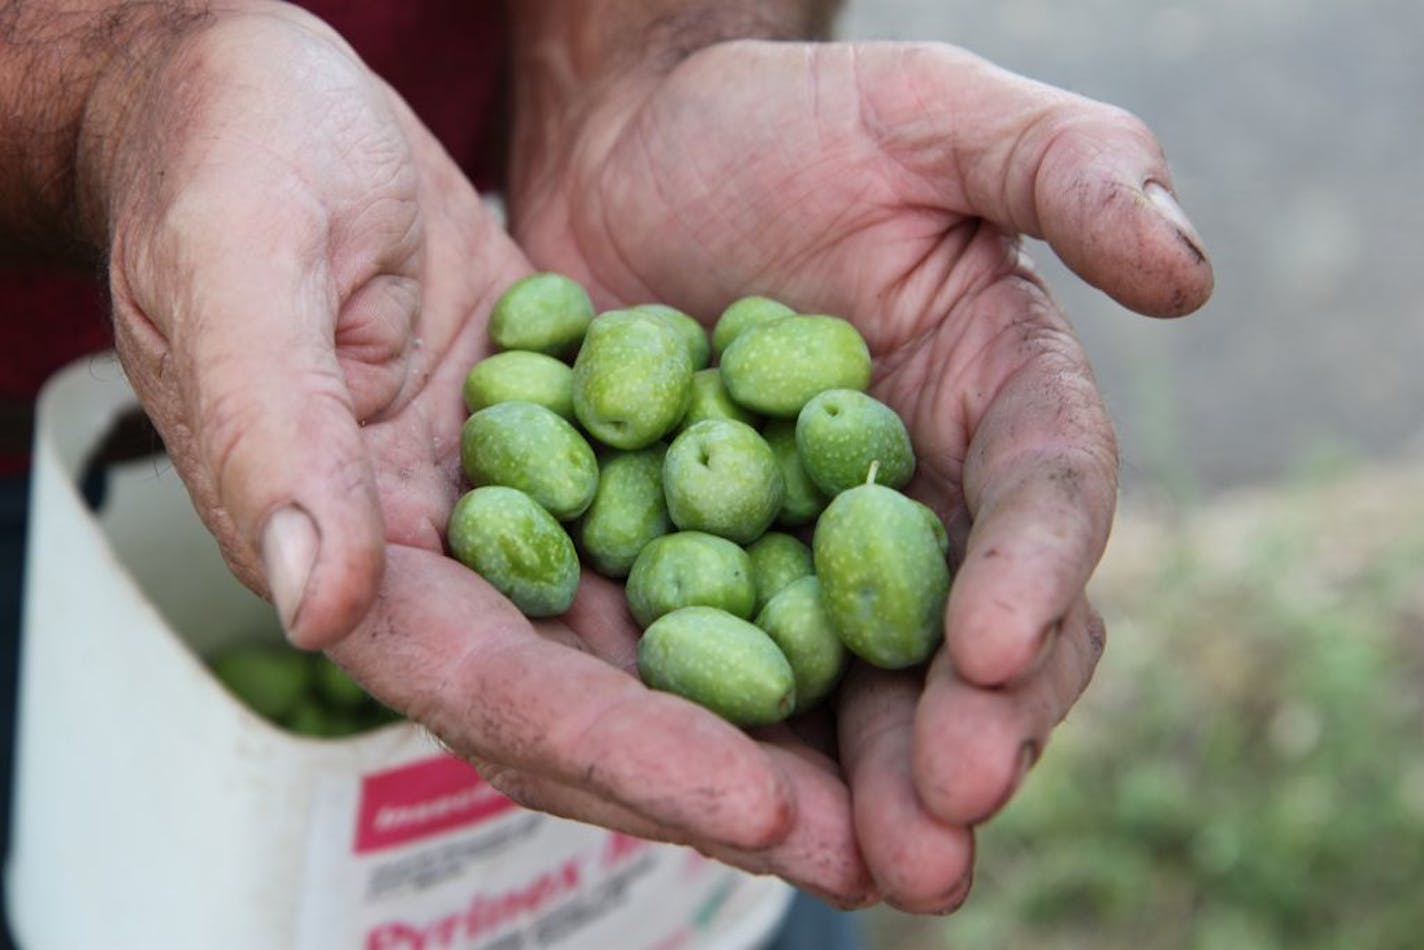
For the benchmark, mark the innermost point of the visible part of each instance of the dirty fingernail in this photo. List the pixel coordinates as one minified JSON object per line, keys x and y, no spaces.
{"x":289,"y":548}
{"x":1047,"y":641}
{"x":956,"y":897}
{"x":1166,"y":205}
{"x":1027,"y":756}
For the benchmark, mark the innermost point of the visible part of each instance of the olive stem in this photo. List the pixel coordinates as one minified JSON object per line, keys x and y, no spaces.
{"x":874,"y":469}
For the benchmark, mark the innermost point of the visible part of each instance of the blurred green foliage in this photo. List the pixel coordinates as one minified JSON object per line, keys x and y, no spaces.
{"x":1247,"y":770}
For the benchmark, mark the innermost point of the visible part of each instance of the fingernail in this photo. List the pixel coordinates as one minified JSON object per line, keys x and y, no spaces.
{"x":852,"y":902}
{"x":1047,"y":640}
{"x":1028,"y":755}
{"x":289,"y":548}
{"x":956,"y":898}
{"x":1166,"y":205}
{"x":1046,"y":643}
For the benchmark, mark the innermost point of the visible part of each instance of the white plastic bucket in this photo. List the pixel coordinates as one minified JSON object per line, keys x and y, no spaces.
{"x":153,"y":810}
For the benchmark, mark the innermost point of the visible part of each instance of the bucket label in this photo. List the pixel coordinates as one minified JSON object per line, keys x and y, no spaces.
{"x":429,"y":856}
{"x":416,"y":801}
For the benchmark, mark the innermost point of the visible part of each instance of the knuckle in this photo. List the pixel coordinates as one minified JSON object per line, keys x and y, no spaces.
{"x":246,"y":438}
{"x":1097,"y":126}
{"x":226,"y":419}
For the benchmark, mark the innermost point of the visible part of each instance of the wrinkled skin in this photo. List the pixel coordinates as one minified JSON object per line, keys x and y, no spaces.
{"x":889,"y":184}
{"x":301,"y":279}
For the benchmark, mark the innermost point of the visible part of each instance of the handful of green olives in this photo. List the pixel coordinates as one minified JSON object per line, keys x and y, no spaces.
{"x":701,"y":488}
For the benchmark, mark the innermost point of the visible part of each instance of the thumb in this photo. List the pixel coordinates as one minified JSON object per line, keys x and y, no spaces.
{"x":1088,"y":178}
{"x":237,"y":365}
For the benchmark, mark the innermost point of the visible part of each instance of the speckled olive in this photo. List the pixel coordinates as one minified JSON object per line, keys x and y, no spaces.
{"x":513,"y":543}
{"x":721,"y":477}
{"x":804,"y":501}
{"x":694,"y":334}
{"x":632,"y":379}
{"x":776,"y":367}
{"x":883,"y":576}
{"x":842,"y":433}
{"x":710,"y":400}
{"x":936,"y":525}
{"x":744,"y":313}
{"x":777,"y":560}
{"x":523,"y":376}
{"x":530,"y":448}
{"x":628,"y":510}
{"x":721,"y":662}
{"x":686,"y":569}
{"x":546,"y":313}
{"x":796,"y":619}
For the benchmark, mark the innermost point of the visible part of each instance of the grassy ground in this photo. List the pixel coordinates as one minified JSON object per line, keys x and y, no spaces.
{"x":1247,"y":769}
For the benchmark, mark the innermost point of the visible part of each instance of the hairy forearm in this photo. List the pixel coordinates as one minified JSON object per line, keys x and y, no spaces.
{"x":69,"y":70}
{"x":569,"y":53}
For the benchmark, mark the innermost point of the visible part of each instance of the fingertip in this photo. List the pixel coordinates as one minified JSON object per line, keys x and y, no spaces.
{"x":320,"y":591}
{"x":1187,"y":279}
{"x":990,"y":644}
{"x":686,"y":768}
{"x":1164,"y":203}
{"x":968,"y":754}
{"x":1041,"y":525}
{"x":822,"y":852}
{"x":991,"y":634}
{"x":915,"y":861}
{"x":1107,"y":207}
{"x":922,"y":869}
{"x":960,"y":894}
{"x":1122,"y":242}
{"x":954,"y":862}
{"x":773,"y":823}
{"x":756,"y":811}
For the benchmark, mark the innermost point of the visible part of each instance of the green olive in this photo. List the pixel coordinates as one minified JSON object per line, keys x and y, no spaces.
{"x":883,"y":576}
{"x":804,"y":501}
{"x":721,"y":662}
{"x":336,"y":687}
{"x":744,"y":313}
{"x":842,"y":435}
{"x":797,"y":620}
{"x":525,"y":446}
{"x":516,"y":545}
{"x":710,"y":400}
{"x":720,"y":476}
{"x":776,"y":367}
{"x":272,"y":680}
{"x":699,"y":350}
{"x":523,"y":376}
{"x":546,"y":313}
{"x":690,"y":568}
{"x":632,"y":379}
{"x":628,"y":510}
{"x":777,"y":560}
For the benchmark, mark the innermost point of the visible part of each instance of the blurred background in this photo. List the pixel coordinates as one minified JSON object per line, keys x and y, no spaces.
{"x":1247,"y":769}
